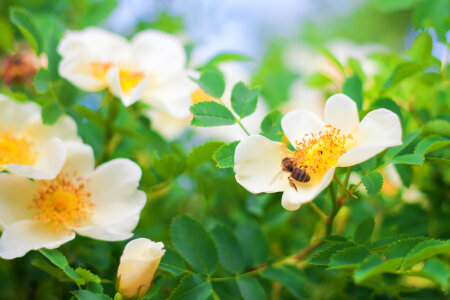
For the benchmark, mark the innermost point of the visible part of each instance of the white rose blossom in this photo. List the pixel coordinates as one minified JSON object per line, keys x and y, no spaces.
{"x":102,"y":203}
{"x":137,"y":267}
{"x":340,"y":140}
{"x":28,"y":147}
{"x":151,"y":67}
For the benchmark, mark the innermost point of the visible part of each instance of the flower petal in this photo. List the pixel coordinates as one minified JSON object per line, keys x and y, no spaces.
{"x":257,"y":164}
{"x":173,"y":95}
{"x":78,"y":71}
{"x":292,"y":199}
{"x":65,"y":128}
{"x":127,"y":97}
{"x":16,"y":194}
{"x":113,"y":187}
{"x":50,"y":160}
{"x":23,"y":236}
{"x":111,"y":232}
{"x":341,"y":112}
{"x":297,"y":123}
{"x":14,"y":116}
{"x":79,"y":160}
{"x":167,"y":125}
{"x":158,"y":53}
{"x":378,"y":130}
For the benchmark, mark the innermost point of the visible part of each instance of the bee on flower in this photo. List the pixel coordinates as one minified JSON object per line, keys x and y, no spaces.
{"x":319,"y":146}
{"x":102,"y":203}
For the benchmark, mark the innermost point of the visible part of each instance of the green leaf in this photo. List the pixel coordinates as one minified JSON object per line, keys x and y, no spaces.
{"x":432,"y":13}
{"x":322,"y":258}
{"x":224,"y":156}
{"x":243,"y":99}
{"x":172,"y":262}
{"x":407,"y":140}
{"x":45,"y":266}
{"x":87,"y":275}
{"x":334,"y":239}
{"x":375,"y":265}
{"x":386,"y":241}
{"x":88,"y":295}
{"x":394,"y":5}
{"x":421,"y":47}
{"x":373,"y":182}
{"x":408,"y":159}
{"x":319,"y":80}
{"x":42,"y":81}
{"x":250,"y":289}
{"x":406,"y":174}
{"x":224,"y":57}
{"x":364,"y":230}
{"x":96,"y":12}
{"x":29,"y":28}
{"x":7,"y":36}
{"x":212,"y":82}
{"x":254,"y":243}
{"x":404,"y":71}
{"x":231,"y":255}
{"x":192,"y":287}
{"x":209,"y":113}
{"x":202,"y":153}
{"x":271,"y":125}
{"x":51,"y":113}
{"x":52,"y":55}
{"x":445,"y":162}
{"x":195,"y":244}
{"x":388,"y":103}
{"x":430,"y":144}
{"x":438,"y":271}
{"x":402,"y":247}
{"x":425,"y":250}
{"x":349,"y":257}
{"x":352,"y":87}
{"x":59,"y":260}
{"x":290,"y":277}
{"x":170,"y":165}
{"x":436,"y":127}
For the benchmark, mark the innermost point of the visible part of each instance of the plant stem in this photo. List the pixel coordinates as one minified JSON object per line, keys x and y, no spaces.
{"x":347,"y":176}
{"x":344,"y":187}
{"x":242,"y":126}
{"x":334,"y":210}
{"x":318,"y":211}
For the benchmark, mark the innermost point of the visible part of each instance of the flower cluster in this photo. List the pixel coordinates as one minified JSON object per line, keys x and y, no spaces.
{"x":52,"y":188}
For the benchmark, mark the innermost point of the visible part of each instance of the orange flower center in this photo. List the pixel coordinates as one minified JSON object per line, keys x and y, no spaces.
{"x":62,"y":202}
{"x":317,"y":153}
{"x":129,"y":77}
{"x":16,"y":150}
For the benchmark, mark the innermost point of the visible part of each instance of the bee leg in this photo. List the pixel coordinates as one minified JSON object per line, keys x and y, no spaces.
{"x":291,"y":182}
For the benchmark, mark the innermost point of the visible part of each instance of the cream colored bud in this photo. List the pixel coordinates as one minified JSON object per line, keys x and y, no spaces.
{"x":138,"y":264}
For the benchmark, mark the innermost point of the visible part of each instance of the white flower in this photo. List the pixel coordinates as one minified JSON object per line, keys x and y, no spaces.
{"x":138,"y":264}
{"x":150,"y":67}
{"x":320,"y":146}
{"x":172,"y":127}
{"x":27,"y":146}
{"x":102,"y":204}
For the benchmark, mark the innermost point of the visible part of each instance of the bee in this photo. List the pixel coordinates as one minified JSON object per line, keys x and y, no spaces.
{"x":288,"y":164}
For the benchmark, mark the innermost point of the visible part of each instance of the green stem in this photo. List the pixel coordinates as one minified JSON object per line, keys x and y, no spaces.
{"x":318,"y":211}
{"x":334,"y":210}
{"x":347,"y":176}
{"x":109,"y":124}
{"x":242,"y":126}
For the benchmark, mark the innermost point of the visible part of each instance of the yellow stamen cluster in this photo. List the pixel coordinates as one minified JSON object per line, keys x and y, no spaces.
{"x":199,"y":95}
{"x":16,"y":150}
{"x":317,"y":153}
{"x":128,"y":76}
{"x":62,"y":202}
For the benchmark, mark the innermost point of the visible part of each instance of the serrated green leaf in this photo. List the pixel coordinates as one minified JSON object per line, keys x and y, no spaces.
{"x":87,"y":275}
{"x":334,"y":239}
{"x":404,"y":71}
{"x":430,"y":144}
{"x":224,"y":156}
{"x":254,"y":243}
{"x":231,"y":255}
{"x":375,"y":265}
{"x":425,"y":250}
{"x":170,"y":165}
{"x":364,"y":230}
{"x":88,"y":295}
{"x":289,"y":277}
{"x":406,"y":174}
{"x":192,"y":287}
{"x":436,"y":127}
{"x":352,"y":87}
{"x":195,"y":244}
{"x":45,"y":266}
{"x":349,"y":257}
{"x":59,"y":260}
{"x":408,"y":159}
{"x":52,"y":55}
{"x":445,"y":162}
{"x":373,"y":182}
{"x":407,"y":140}
{"x":202,"y":153}
{"x":29,"y":28}
{"x":386,"y":241}
{"x":212,"y":82}
{"x":402,"y":247}
{"x":250,"y":289}
{"x":438,"y":271}
{"x":209,"y":114}
{"x":172,"y":262}
{"x":421,"y":47}
{"x":322,"y":258}
{"x":271,"y":126}
{"x":243,"y":99}
{"x":42,"y":81}
{"x":7,"y":36}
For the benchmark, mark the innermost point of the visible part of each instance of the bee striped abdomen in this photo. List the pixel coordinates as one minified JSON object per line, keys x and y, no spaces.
{"x":300,"y":175}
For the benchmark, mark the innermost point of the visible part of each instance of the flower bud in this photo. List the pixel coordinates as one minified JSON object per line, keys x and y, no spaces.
{"x":138,"y":264}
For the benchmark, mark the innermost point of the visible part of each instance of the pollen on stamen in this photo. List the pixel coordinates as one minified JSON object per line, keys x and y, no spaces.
{"x":15,"y":149}
{"x":317,"y":153}
{"x":62,"y":202}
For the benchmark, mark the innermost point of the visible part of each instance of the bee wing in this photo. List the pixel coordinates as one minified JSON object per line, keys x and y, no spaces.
{"x":279,"y":175}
